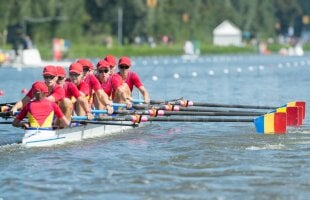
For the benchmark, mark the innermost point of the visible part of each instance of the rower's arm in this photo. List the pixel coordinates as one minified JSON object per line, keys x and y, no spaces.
{"x":20,"y":104}
{"x":103,"y":97}
{"x":64,"y":121}
{"x":124,"y":94}
{"x":18,"y":123}
{"x":145,"y":94}
{"x":85,"y":106}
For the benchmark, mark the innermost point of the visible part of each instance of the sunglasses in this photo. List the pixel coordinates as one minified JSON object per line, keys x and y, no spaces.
{"x":61,"y":78}
{"x":103,"y":71}
{"x":49,"y":77}
{"x":124,"y":67}
{"x":74,"y":75}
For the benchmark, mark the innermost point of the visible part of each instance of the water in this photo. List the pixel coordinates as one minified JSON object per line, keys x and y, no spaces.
{"x":174,"y":160}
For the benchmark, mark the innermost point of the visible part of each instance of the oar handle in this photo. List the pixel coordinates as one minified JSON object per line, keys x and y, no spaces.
{"x":99,"y":111}
{"x":122,"y":105}
{"x":10,"y":103}
{"x":136,"y":101}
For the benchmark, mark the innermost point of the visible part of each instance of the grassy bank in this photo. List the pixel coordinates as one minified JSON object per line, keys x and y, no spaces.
{"x":97,"y":51}
{"x":79,"y":50}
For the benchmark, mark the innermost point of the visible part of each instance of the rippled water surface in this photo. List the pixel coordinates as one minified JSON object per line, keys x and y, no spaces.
{"x":174,"y":160}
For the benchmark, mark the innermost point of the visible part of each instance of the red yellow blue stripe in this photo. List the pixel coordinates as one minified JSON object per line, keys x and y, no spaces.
{"x":271,"y":123}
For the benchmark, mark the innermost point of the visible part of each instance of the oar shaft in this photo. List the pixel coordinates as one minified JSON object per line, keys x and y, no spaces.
{"x":192,"y":109}
{"x":5,"y":122}
{"x":205,"y":104}
{"x":232,"y":105}
{"x":198,"y":119}
{"x":105,"y":123}
{"x":10,"y":103}
{"x":167,"y":119}
{"x":223,"y":113}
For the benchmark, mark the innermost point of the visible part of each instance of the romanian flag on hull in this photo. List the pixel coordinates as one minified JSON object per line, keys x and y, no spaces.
{"x":271,"y":123}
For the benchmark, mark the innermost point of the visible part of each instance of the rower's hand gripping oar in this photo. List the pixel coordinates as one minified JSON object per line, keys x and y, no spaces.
{"x":8,"y":104}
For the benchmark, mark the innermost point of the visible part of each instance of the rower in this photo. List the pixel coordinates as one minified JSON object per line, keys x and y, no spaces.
{"x":96,"y":92}
{"x":112,"y":61}
{"x":81,"y":105}
{"x":61,"y":73}
{"x":56,"y":92}
{"x":113,"y":84}
{"x":71,"y":92}
{"x":132,"y":78}
{"x":40,"y":111}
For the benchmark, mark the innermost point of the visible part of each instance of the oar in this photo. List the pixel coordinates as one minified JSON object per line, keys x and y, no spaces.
{"x":5,"y":122}
{"x":103,"y":123}
{"x":134,"y":119}
{"x":271,"y":123}
{"x":10,"y":103}
{"x":186,"y":103}
{"x":154,"y":112}
{"x":6,"y":114}
{"x":197,"y":119}
{"x":192,"y":109}
{"x":9,"y":122}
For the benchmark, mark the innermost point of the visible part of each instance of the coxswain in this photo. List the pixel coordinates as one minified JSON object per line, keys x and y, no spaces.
{"x":40,"y":111}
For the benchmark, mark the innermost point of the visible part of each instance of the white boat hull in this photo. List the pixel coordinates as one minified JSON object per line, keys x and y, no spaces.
{"x":45,"y":138}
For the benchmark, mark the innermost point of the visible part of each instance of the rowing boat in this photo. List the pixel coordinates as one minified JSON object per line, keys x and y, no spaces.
{"x":44,"y":137}
{"x":271,"y":122}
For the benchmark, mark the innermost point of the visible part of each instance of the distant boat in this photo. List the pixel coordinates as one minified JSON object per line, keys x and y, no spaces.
{"x":29,"y":58}
{"x":190,"y":51}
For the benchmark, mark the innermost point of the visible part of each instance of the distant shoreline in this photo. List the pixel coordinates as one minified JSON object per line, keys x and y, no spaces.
{"x":97,"y":51}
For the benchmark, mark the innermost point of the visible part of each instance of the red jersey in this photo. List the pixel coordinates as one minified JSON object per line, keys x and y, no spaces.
{"x":71,"y":90}
{"x":93,"y":82}
{"x":57,"y":92}
{"x":113,"y":82}
{"x":84,"y":87}
{"x":40,"y":113}
{"x":133,"y":80}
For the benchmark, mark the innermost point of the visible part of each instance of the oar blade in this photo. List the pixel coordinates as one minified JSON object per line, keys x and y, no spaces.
{"x":293,"y":116}
{"x":271,"y":123}
{"x":301,"y":104}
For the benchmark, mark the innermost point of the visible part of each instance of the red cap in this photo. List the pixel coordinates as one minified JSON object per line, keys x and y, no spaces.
{"x":111,"y":59}
{"x":76,"y":67}
{"x":40,"y":87}
{"x":103,"y":64}
{"x":50,"y":70}
{"x":86,"y":63}
{"x":124,"y":61}
{"x":61,"y":71}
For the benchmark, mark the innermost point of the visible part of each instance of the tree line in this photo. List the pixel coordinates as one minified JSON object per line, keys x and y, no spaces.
{"x":92,"y":21}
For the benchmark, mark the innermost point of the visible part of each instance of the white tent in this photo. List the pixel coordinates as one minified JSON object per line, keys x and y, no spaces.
{"x":227,"y":34}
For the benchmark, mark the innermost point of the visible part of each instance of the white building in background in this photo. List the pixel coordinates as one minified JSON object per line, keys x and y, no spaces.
{"x":227,"y":34}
